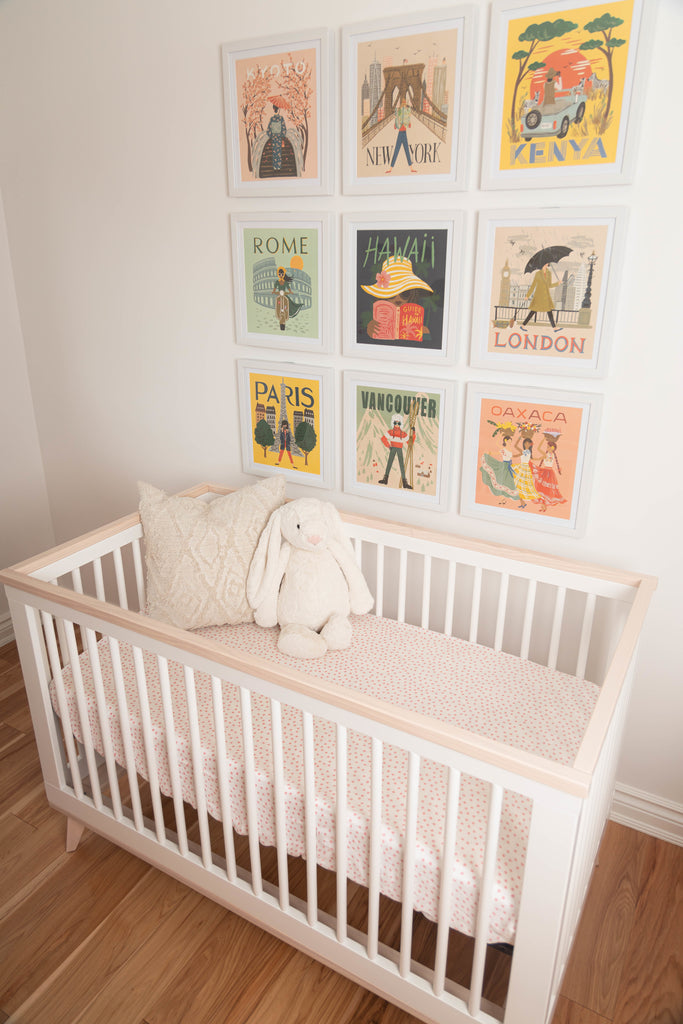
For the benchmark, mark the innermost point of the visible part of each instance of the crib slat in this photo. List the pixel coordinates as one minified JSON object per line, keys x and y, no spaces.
{"x":197,"y":766}
{"x":124,"y":721}
{"x":93,"y":650}
{"x":528,"y":619}
{"x":502,"y":608}
{"x":99,"y":579}
{"x":77,"y":580}
{"x":120,"y":578}
{"x":485,"y":899}
{"x":67,"y":728}
{"x":279,"y":791}
{"x":379,"y":595}
{"x":250,"y":790}
{"x":560,"y":598}
{"x":408,"y":885}
{"x":476,"y":602}
{"x":172,"y":754}
{"x":586,"y":633}
{"x":222,"y":776}
{"x":375,"y":847}
{"x":139,"y":574}
{"x":148,"y":740}
{"x":426,"y":590}
{"x":450,"y":599}
{"x":341,"y":810}
{"x":402,"y":576}
{"x":81,"y":704}
{"x":446,"y":883}
{"x":309,"y":819}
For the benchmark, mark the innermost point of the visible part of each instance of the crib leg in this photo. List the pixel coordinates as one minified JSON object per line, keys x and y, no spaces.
{"x":74,"y":831}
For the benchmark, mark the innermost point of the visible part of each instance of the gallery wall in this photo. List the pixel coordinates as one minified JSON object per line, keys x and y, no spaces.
{"x":114,"y":182}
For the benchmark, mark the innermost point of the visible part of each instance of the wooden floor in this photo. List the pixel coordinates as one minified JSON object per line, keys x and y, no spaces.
{"x":97,"y":936}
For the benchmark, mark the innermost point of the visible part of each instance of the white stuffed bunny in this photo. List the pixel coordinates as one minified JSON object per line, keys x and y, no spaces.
{"x":305,"y":577}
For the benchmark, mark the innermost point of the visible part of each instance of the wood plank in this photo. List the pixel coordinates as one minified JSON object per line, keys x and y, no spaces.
{"x":70,"y":990}
{"x":595,"y":967}
{"x":144,"y":975}
{"x":567,"y":1012}
{"x":26,"y":853}
{"x":652,"y":985}
{"x":56,"y":917}
{"x":226,"y":970}
{"x":20,"y":774}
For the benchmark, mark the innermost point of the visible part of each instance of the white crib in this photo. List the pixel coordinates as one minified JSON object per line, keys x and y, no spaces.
{"x":75,"y":618}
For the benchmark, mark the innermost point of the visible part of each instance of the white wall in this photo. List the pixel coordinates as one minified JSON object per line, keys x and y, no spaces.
{"x":25,"y":522}
{"x":113,"y":175}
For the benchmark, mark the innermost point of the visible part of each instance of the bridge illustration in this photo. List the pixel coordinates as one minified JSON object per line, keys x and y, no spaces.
{"x":404,"y":86}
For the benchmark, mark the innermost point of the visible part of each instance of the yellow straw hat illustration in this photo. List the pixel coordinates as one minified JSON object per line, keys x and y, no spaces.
{"x":396,"y":276}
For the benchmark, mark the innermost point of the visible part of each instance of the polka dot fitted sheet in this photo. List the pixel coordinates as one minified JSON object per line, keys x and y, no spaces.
{"x":490,"y":693}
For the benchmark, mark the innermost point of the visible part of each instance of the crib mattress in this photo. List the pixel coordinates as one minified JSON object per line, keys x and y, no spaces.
{"x":493,"y":694}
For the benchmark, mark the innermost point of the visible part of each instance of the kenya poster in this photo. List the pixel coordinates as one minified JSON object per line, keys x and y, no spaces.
{"x":566,"y":84}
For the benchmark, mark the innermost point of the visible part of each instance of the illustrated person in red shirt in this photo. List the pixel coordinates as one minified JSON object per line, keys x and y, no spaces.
{"x":393,"y":440}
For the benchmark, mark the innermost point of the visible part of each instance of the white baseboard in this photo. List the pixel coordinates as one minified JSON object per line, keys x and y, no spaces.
{"x":653,"y":815}
{"x":6,"y":631}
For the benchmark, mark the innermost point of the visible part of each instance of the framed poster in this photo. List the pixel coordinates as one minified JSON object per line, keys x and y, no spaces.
{"x":282,"y":275}
{"x":278,"y":113}
{"x":405,"y":102}
{"x":287,"y":420}
{"x":546,"y":289}
{"x":400,"y":286}
{"x":397,"y":439}
{"x":564,"y":91}
{"x":528,"y":456}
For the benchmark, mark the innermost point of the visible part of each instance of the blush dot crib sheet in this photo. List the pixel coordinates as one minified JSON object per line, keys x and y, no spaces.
{"x":493,"y":694}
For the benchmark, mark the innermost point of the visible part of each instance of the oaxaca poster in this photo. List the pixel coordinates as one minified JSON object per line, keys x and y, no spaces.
{"x":566,"y":79}
{"x":407,"y":101}
{"x":280,"y":280}
{"x":525,"y":459}
{"x":401,"y":285}
{"x":394,"y":440}
{"x":546,"y":286}
{"x":283,"y":421}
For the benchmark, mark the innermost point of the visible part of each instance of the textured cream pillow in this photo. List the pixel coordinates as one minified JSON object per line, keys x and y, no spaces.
{"x":198,"y":553}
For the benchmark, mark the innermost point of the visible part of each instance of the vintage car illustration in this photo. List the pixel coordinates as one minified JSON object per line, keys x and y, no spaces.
{"x":558,"y":93}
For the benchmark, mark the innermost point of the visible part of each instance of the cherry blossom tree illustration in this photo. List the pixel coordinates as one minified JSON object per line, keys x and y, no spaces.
{"x":295,"y":82}
{"x":255,"y":90}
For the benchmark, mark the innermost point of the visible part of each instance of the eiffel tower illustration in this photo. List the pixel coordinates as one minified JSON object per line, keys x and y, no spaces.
{"x":275,"y":447}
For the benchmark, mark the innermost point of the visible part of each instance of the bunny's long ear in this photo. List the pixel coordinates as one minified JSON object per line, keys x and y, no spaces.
{"x":341,"y":547}
{"x":265,"y":572}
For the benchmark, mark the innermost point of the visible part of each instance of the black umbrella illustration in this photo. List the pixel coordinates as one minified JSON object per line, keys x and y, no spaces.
{"x":551,"y":254}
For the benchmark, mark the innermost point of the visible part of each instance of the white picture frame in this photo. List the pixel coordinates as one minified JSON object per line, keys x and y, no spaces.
{"x":424,"y":454}
{"x":563,"y":329}
{"x":402,"y":285}
{"x":547,"y":489}
{"x":441,"y":44}
{"x":303,"y":395}
{"x":282,"y":275}
{"x":284,"y":148}
{"x":571,"y":124}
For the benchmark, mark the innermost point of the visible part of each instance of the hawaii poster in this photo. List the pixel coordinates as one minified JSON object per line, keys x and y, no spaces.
{"x":545,"y":291}
{"x":562,"y":79}
{"x":402,"y":279}
{"x":394,"y":434}
{"x":284,"y":415}
{"x":526,"y":454}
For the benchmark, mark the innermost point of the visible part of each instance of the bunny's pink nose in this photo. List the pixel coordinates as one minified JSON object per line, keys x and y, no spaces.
{"x":314,"y":538}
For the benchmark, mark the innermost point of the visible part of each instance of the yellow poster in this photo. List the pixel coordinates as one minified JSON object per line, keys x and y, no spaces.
{"x":284,"y":416}
{"x":566,"y":86}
